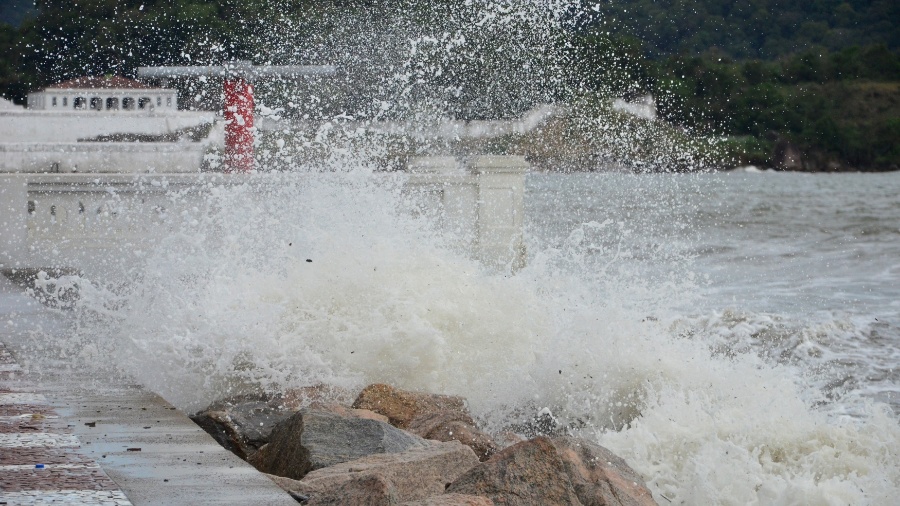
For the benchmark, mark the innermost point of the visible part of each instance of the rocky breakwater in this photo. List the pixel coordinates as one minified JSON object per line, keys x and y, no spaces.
{"x":395,"y":447}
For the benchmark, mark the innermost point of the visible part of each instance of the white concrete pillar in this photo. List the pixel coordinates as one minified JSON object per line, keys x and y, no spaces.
{"x":13,"y":221}
{"x":454,"y":196}
{"x":500,"y":210}
{"x":479,"y":205}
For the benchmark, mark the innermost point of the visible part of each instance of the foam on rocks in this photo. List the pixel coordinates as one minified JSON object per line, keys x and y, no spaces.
{"x":331,"y":454}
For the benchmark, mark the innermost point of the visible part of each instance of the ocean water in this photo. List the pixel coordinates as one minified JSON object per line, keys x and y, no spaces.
{"x":791,"y":284}
{"x":733,"y":336}
{"x":796,"y":267}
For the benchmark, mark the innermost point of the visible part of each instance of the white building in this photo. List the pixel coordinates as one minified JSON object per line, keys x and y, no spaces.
{"x":96,"y":94}
{"x":103,"y":124}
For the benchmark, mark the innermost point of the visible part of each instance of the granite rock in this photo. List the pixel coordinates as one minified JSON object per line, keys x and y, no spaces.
{"x":454,"y":426}
{"x":310,"y":440}
{"x":402,"y":406}
{"x":559,"y":471}
{"x":530,"y":473}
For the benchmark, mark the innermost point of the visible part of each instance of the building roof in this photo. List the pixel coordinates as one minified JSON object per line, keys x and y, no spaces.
{"x":98,"y":82}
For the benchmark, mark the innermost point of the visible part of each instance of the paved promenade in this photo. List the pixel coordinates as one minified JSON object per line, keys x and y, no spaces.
{"x":67,"y":437}
{"x":39,"y":457}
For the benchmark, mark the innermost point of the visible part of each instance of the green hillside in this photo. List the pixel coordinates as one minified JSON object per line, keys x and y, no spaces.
{"x":819,"y":76}
{"x":748,"y":29}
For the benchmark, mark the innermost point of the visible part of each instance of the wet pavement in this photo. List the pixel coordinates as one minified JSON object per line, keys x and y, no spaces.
{"x":39,"y":458}
{"x":67,"y":438}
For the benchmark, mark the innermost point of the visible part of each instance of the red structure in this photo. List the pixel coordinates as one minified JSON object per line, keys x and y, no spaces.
{"x":239,"y":134}
{"x":238,"y":109}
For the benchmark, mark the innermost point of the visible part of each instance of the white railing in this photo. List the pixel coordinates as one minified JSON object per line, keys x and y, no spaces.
{"x":85,"y":220}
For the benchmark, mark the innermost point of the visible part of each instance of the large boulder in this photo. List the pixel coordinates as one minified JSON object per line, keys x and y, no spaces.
{"x":386,"y":478}
{"x":364,"y":490}
{"x":600,"y":477}
{"x":242,"y":425}
{"x":563,"y":470}
{"x":530,"y":473}
{"x":402,"y":407}
{"x":340,"y":410}
{"x":310,"y":440}
{"x":454,"y":426}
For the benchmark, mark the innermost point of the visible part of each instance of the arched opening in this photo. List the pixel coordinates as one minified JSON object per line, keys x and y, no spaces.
{"x":112,"y":104}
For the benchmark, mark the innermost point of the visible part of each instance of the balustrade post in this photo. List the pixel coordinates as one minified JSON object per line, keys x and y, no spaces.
{"x":501,"y":210}
{"x":13,"y":221}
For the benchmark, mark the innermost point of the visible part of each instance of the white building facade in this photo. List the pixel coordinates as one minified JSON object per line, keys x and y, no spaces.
{"x":103,"y":94}
{"x":83,"y":109}
{"x":61,"y":131}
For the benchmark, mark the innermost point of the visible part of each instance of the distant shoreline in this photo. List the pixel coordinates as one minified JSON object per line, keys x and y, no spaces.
{"x":753,"y":168}
{"x":743,"y":168}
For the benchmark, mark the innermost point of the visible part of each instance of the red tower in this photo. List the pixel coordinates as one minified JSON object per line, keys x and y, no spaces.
{"x":238,"y":112}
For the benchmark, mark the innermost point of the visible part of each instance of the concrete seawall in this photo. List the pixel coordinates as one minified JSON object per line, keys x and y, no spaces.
{"x":100,"y":438}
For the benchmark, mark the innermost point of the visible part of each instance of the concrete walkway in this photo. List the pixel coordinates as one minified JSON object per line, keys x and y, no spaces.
{"x":67,"y":438}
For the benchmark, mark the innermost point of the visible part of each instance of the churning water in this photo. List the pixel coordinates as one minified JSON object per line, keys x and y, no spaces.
{"x":766,"y":359}
{"x":733,"y":336}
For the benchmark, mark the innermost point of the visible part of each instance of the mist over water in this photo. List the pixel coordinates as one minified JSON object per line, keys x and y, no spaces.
{"x":613,"y":325}
{"x":650,"y":316}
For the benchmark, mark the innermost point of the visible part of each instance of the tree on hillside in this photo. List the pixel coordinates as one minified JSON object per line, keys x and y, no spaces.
{"x":399,"y":58}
